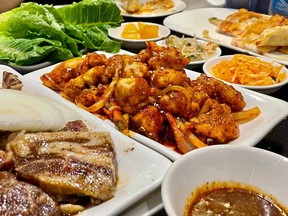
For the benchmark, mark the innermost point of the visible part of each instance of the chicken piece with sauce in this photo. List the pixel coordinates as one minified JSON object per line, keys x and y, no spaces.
{"x":218,"y":90}
{"x":134,"y":68}
{"x":162,"y":57}
{"x":164,"y":77}
{"x":148,"y":121}
{"x":69,"y":69}
{"x":74,"y":87}
{"x":132,"y":94}
{"x":216,"y":124}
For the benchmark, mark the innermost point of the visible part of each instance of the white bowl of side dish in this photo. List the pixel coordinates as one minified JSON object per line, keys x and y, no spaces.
{"x":249,"y":168}
{"x":266,"y":89}
{"x":198,"y":51}
{"x":136,"y":44}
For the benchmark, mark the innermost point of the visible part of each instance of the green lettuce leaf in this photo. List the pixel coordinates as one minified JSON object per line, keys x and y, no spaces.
{"x":89,"y":21}
{"x":92,"y":12}
{"x":33,"y":21}
{"x":22,"y":51}
{"x":33,"y":32}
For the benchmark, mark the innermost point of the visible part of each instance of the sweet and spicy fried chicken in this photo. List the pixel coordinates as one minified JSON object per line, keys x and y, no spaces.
{"x":176,"y":103}
{"x":134,"y":68}
{"x":216,"y":89}
{"x":230,"y":96}
{"x":132,"y":94}
{"x":148,"y":121}
{"x":163,"y":57}
{"x":90,"y":96}
{"x":164,"y":77}
{"x":217,"y":124}
{"x":90,"y":78}
{"x":63,"y":72}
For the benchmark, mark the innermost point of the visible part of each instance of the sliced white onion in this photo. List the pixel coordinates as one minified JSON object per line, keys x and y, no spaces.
{"x":24,"y":111}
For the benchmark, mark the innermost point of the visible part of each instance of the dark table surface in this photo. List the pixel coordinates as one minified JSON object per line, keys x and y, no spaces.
{"x":275,"y":140}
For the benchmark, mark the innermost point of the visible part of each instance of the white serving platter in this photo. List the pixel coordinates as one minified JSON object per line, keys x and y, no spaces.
{"x":140,"y":169}
{"x":273,"y":110}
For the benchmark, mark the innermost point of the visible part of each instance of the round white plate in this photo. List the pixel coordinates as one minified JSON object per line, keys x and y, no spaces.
{"x":115,"y":33}
{"x":179,"y":6}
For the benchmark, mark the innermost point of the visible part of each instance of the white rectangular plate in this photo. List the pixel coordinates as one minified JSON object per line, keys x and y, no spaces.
{"x":140,"y":169}
{"x":193,"y":22}
{"x":272,"y":109}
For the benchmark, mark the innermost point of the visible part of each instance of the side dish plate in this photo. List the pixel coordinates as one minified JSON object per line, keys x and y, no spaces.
{"x":194,"y":22}
{"x":267,"y":89}
{"x":116,"y":34}
{"x":140,"y":169}
{"x":217,"y":53}
{"x":250,"y":133}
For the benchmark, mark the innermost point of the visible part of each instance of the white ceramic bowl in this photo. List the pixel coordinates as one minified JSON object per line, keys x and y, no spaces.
{"x":136,"y":44}
{"x":269,"y":89}
{"x":260,"y":168}
{"x":196,"y":63}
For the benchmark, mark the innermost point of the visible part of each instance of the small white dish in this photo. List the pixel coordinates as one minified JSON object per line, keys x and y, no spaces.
{"x":115,"y":33}
{"x":217,"y":53}
{"x":269,"y":89}
{"x":253,"y":166}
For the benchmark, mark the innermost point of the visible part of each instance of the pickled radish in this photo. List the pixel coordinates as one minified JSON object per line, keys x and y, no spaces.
{"x":131,"y":32}
{"x":149,"y":31}
{"x":141,"y":31}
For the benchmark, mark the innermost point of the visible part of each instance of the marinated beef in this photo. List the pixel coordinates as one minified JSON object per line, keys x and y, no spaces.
{"x":6,"y":162}
{"x":67,"y":163}
{"x":21,"y":198}
{"x":11,"y":81}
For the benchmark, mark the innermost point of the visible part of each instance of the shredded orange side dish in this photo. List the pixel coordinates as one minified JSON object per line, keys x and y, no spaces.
{"x":248,"y":70}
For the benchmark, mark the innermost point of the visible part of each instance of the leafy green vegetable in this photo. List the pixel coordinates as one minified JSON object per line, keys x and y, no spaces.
{"x":91,"y":12}
{"x":33,"y":33}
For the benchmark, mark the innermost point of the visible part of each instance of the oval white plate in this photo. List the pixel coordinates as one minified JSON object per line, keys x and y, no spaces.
{"x":115,"y":33}
{"x":178,"y":6}
{"x":263,"y":89}
{"x":217,"y":53}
